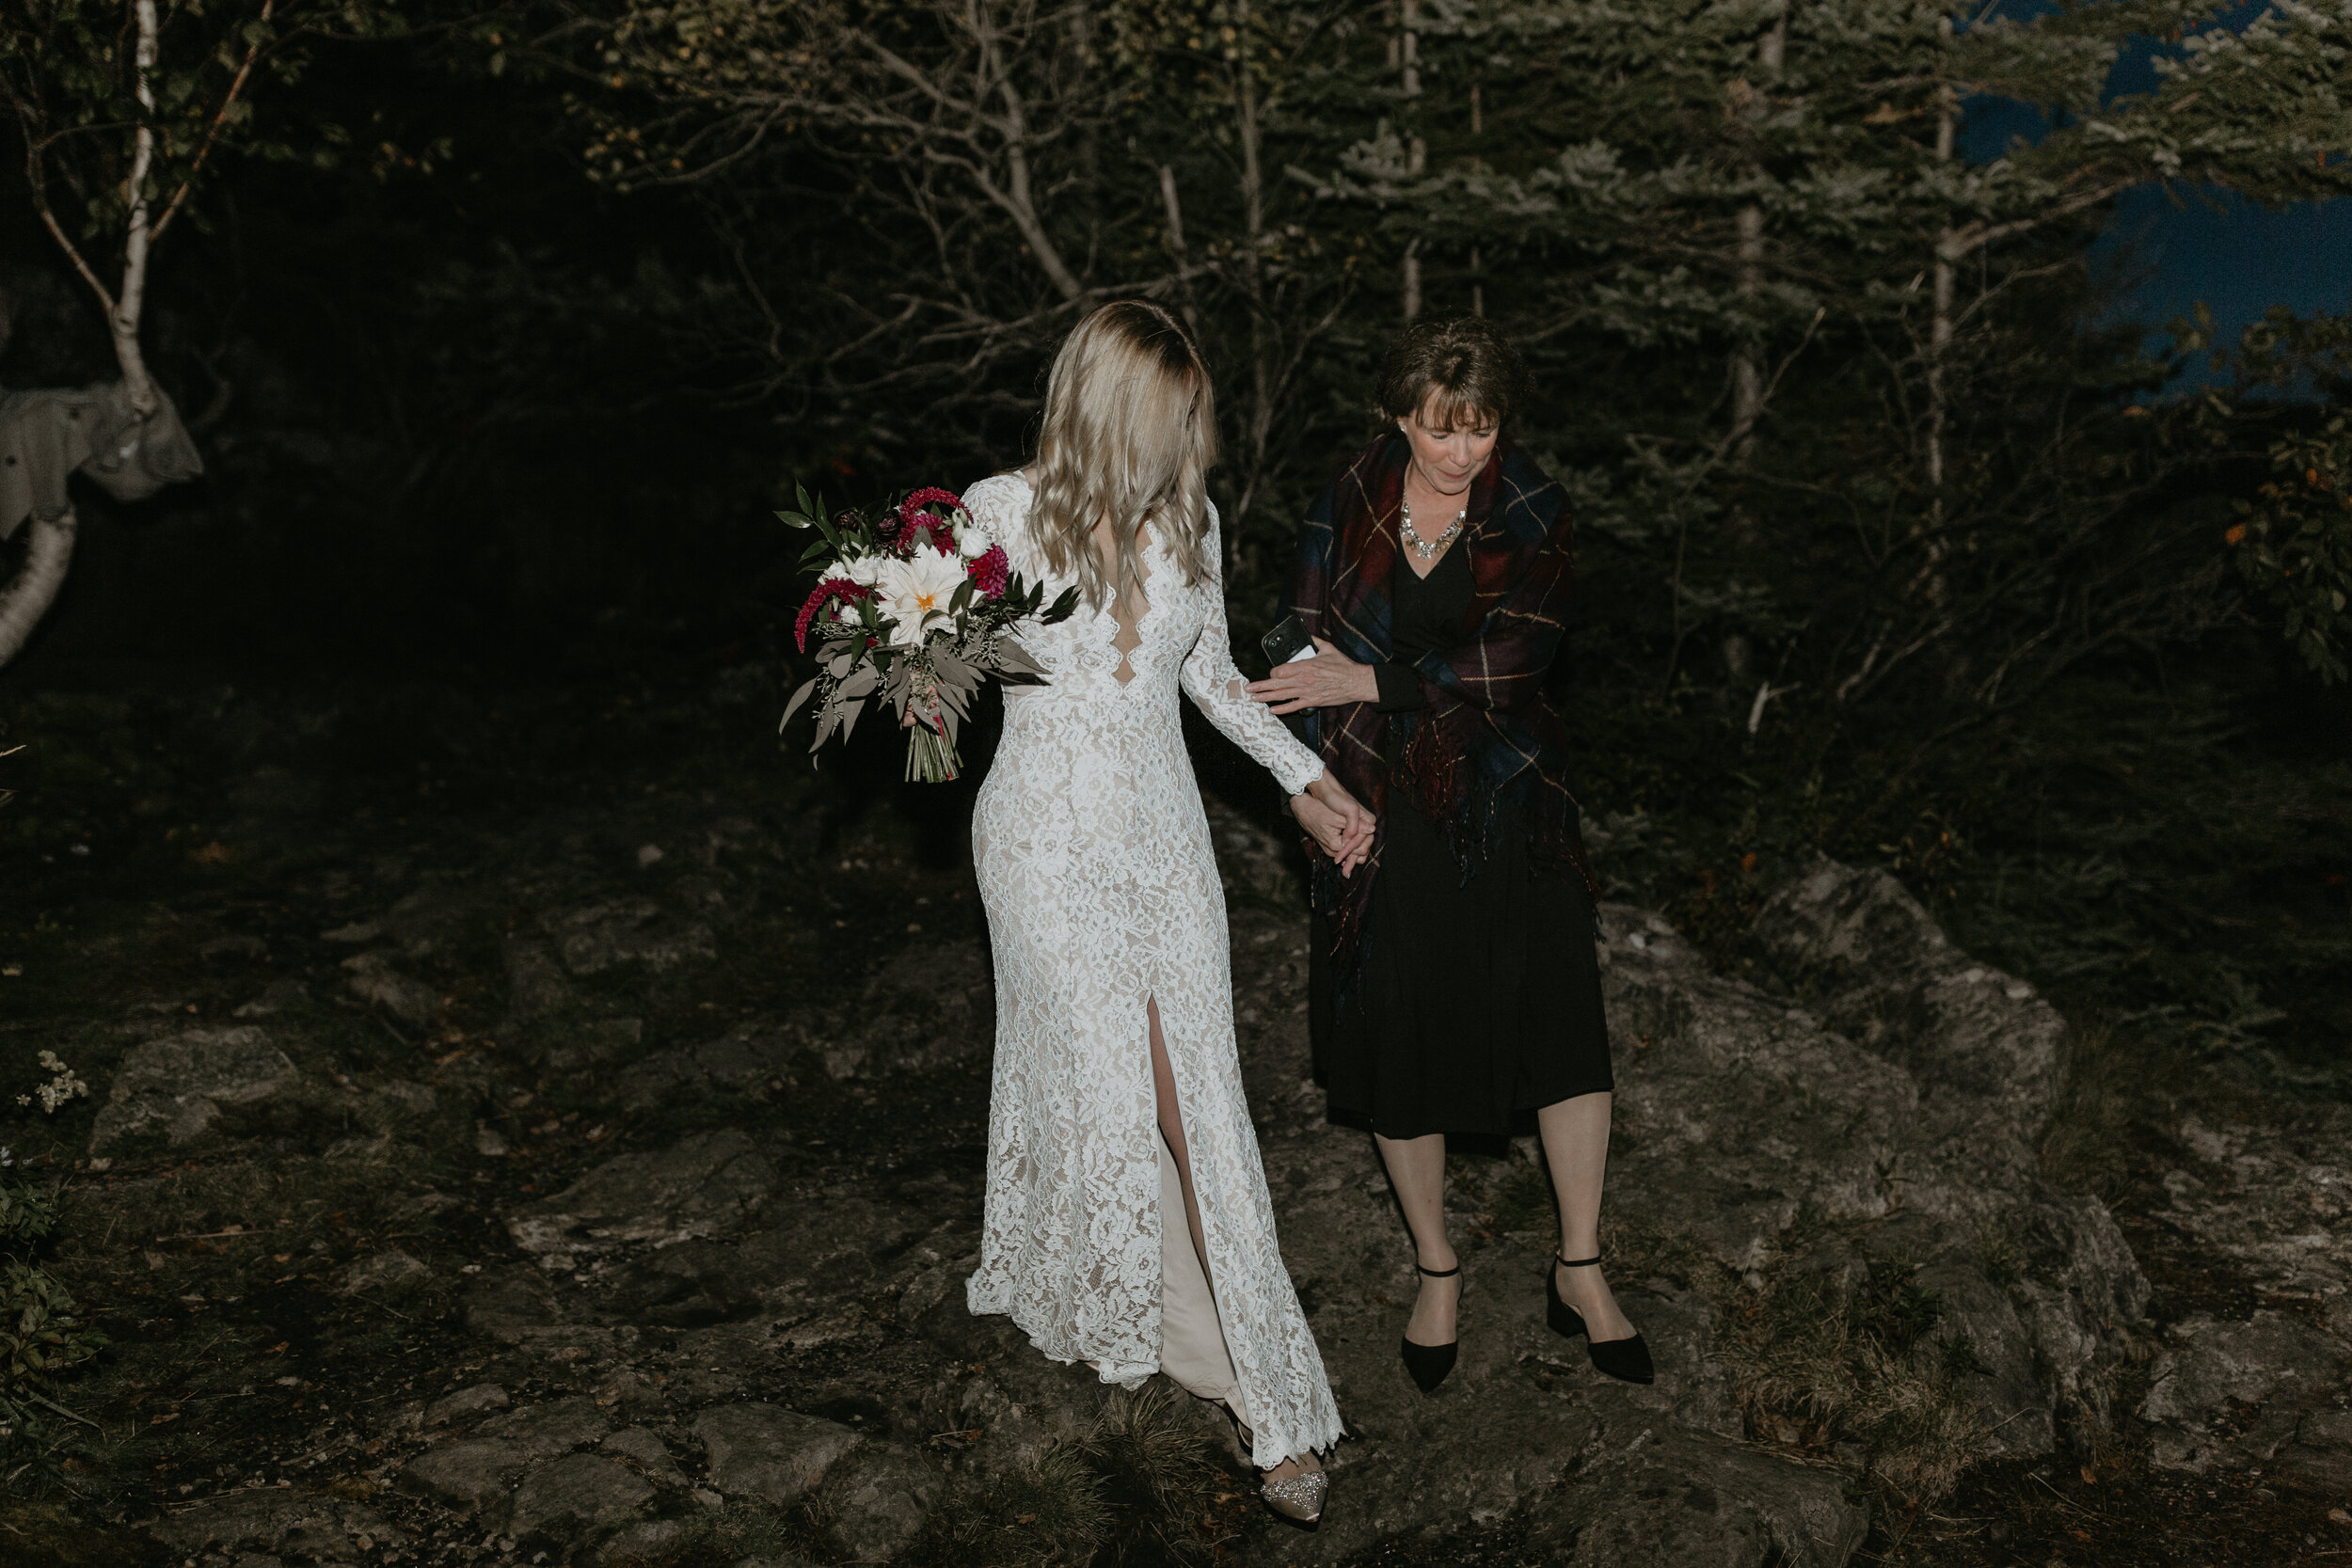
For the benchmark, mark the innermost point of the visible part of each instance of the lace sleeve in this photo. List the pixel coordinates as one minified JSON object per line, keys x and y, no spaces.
{"x":1000,"y":503}
{"x":1217,"y":688}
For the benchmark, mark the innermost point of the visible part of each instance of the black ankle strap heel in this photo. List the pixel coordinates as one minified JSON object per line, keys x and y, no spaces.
{"x":1429,"y":1364}
{"x":1627,"y":1360}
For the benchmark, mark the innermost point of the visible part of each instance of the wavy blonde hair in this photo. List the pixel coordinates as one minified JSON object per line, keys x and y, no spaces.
{"x":1130,"y":434}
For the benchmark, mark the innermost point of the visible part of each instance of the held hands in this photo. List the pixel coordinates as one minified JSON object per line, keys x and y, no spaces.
{"x":1340,"y":826}
{"x":1328,"y":680}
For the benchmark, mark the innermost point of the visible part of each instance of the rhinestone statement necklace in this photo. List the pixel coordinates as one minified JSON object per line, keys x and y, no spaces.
{"x":1427,"y":549}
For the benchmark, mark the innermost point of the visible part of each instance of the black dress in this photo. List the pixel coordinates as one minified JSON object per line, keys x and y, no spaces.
{"x":1479,"y":998}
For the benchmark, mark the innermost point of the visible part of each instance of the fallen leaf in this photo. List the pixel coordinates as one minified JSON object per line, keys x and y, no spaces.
{"x":2089,"y":1480}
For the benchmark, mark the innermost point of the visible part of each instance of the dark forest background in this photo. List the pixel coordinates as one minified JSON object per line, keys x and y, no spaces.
{"x":503,"y":333}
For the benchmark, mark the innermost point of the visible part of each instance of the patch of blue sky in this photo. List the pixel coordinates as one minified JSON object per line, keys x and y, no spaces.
{"x":2165,"y":252}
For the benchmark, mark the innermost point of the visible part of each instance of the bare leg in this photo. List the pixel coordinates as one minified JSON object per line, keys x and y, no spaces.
{"x":1172,"y":1129}
{"x":1417,"y":1170}
{"x":1576,"y":1145}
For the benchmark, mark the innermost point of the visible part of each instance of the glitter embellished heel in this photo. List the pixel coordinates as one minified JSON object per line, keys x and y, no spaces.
{"x":1295,"y":1500}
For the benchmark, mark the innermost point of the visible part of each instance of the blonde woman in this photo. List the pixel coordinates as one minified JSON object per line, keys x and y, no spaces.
{"x":1127,"y":1222}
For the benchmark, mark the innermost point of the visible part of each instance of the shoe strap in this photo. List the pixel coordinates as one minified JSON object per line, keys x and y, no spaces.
{"x":1439,"y":1273}
{"x":1575,"y":1262}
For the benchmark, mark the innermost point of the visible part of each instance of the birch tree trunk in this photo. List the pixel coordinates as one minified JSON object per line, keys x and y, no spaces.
{"x":1263,"y":347}
{"x":1747,"y":370}
{"x":1416,"y":146}
{"x":1477,"y":266}
{"x":48,"y":551}
{"x":49,"y":540}
{"x":124,"y":320}
{"x":1944,"y":285}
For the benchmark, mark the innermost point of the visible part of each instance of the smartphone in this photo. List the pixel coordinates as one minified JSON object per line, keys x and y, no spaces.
{"x":1287,"y":642}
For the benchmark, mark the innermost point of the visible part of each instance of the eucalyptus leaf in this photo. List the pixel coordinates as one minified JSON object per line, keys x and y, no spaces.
{"x":793,"y":706}
{"x":1010,"y":655}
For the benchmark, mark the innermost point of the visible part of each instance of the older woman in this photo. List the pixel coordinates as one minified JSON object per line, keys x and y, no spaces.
{"x":1454,"y":984}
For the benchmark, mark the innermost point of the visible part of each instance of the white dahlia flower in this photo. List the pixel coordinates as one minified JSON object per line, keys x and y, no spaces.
{"x":913,"y":589}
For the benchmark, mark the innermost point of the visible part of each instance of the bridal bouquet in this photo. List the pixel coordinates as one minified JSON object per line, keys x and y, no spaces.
{"x":913,"y":609}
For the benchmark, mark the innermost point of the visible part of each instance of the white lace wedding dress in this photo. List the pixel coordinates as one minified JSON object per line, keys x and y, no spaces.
{"x":1101,"y":894}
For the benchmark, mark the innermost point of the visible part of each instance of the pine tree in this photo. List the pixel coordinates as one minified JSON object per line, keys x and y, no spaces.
{"x":1776,"y":190}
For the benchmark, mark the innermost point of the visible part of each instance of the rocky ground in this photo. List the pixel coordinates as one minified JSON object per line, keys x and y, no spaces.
{"x":529,"y":1129}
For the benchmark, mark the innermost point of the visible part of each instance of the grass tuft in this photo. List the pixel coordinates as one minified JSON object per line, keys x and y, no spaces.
{"x":1138,"y":1487}
{"x":1053,"y":1509}
{"x":1858,"y":1374}
{"x":723,"y":1537}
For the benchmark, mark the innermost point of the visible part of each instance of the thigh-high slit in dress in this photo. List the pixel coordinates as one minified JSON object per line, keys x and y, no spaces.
{"x":1102,"y":896}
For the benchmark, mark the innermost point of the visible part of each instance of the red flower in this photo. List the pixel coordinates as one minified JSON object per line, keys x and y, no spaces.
{"x":832,"y":588}
{"x":931,"y":531}
{"x":990,"y":573}
{"x":911,"y":509}
{"x":913,"y":516}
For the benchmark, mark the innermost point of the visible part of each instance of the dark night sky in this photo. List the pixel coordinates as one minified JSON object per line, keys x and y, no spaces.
{"x":2239,"y":259}
{"x":2174,"y":248}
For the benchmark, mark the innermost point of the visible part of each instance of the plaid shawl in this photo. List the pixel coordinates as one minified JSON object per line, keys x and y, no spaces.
{"x":1486,"y":734}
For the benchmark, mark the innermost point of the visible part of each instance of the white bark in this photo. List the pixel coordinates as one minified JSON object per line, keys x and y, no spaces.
{"x":1748,"y":392}
{"x":1948,"y":250}
{"x":1263,"y":347}
{"x":1747,"y":373}
{"x":1175,"y":217}
{"x":1764,"y":693}
{"x":1417,"y":147}
{"x":124,"y":319}
{"x":1478,"y":127}
{"x":1747,"y":376}
{"x":1016,"y":198}
{"x":48,"y":550}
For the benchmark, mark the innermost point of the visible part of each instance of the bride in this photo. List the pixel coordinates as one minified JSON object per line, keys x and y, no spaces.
{"x":1127,"y":1222}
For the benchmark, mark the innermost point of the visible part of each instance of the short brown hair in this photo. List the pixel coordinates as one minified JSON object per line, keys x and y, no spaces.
{"x":1463,"y":362}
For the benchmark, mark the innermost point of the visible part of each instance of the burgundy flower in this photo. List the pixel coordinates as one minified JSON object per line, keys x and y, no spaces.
{"x":991,"y":572}
{"x":911,"y":509}
{"x":926,"y":529}
{"x":832,"y":588}
{"x":936,"y":530}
